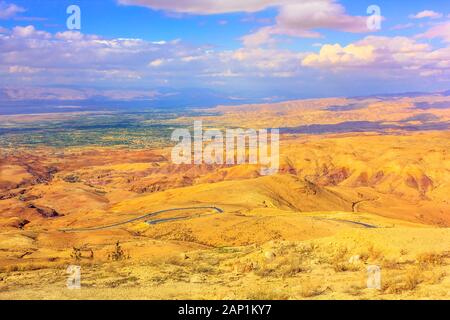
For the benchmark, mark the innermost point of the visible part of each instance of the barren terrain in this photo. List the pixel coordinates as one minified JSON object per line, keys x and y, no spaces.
{"x":343,"y":200}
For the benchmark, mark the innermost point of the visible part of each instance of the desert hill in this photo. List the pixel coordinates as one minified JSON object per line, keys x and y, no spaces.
{"x":341,"y":201}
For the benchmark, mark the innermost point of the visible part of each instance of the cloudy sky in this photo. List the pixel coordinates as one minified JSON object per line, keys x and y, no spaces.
{"x":244,"y":49}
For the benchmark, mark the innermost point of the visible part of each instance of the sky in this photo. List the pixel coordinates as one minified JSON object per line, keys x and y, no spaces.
{"x":258,"y":50}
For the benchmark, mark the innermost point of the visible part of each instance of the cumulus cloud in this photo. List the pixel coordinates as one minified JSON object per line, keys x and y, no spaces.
{"x":304,"y":18}
{"x":246,"y":63}
{"x":68,"y":57}
{"x":29,"y":32}
{"x":441,"y":31}
{"x":383,"y":55}
{"x":32,"y":56}
{"x":280,"y":61}
{"x":336,"y":55}
{"x":206,"y":6}
{"x":295,"y":18}
{"x":427,"y":14}
{"x":262,"y":37}
{"x":9,"y":10}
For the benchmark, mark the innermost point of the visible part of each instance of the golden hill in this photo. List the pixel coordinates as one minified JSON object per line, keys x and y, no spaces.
{"x":340,"y":203}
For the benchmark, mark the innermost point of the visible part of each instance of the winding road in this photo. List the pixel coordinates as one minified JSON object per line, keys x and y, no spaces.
{"x":362,"y":224}
{"x":159,"y":221}
{"x":146,"y":216}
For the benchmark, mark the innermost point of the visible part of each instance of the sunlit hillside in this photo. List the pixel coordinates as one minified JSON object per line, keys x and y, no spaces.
{"x":339,"y":203}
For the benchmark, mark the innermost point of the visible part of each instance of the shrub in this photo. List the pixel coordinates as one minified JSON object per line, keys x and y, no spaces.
{"x":77,"y":254}
{"x":406,"y":282}
{"x":118,"y":253}
{"x":430,"y":259}
{"x":309,"y":290}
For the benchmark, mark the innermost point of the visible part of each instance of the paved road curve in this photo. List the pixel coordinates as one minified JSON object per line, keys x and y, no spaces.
{"x":146,"y":216}
{"x":365,"y":225}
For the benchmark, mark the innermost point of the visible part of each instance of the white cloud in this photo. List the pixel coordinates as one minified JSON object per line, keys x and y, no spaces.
{"x":156,"y":63}
{"x":79,"y":59}
{"x":336,"y":55}
{"x":70,"y":36}
{"x":403,"y":26}
{"x":73,"y":58}
{"x":427,"y":14}
{"x":22,"y":69}
{"x":441,"y":31}
{"x":278,"y":61}
{"x":206,"y":6}
{"x":192,"y":58}
{"x":305,"y":19}
{"x":29,"y":32}
{"x":385,"y":56}
{"x":295,"y":18}
{"x":262,"y":37}
{"x":9,"y":10}
{"x":161,"y":42}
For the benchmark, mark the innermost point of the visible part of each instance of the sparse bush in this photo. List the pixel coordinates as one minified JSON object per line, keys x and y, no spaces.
{"x":390,"y":264}
{"x":309,"y":290}
{"x":118,"y":254}
{"x":403,"y":252}
{"x":346,"y":267}
{"x":283,"y":267}
{"x":406,"y":282}
{"x":123,"y":281}
{"x":205,"y":269}
{"x":71,"y":179}
{"x":176,"y":261}
{"x":9,"y":268}
{"x":292,"y":269}
{"x":264,"y":271}
{"x":268,"y":294}
{"x":430,"y":259}
{"x":340,"y":263}
{"x":77,"y":254}
{"x":308,"y":251}
{"x":374,"y":254}
{"x":436,"y":277}
{"x":248,"y":266}
{"x":355,"y":290}
{"x":412,"y":279}
{"x":340,"y":254}
{"x":23,"y":267}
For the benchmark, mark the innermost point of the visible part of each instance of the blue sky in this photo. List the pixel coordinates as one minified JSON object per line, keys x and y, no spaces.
{"x":110,"y":19}
{"x":265,"y":49}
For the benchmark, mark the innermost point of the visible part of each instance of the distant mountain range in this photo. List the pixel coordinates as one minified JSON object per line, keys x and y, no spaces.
{"x":51,"y":100}
{"x":70,"y":100}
